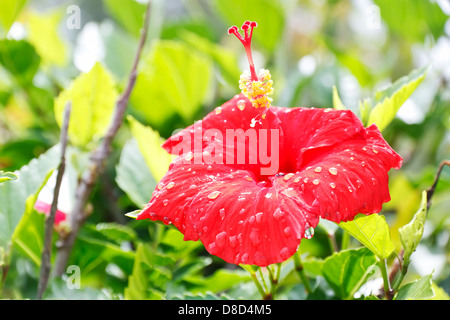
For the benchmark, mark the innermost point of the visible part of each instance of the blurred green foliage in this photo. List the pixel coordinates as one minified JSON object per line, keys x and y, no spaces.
{"x":320,"y":53}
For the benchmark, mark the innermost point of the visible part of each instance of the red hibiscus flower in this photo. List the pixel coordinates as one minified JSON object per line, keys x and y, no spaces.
{"x":250,"y":180}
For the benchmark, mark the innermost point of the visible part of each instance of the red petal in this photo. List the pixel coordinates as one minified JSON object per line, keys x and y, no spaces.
{"x":236,"y":218}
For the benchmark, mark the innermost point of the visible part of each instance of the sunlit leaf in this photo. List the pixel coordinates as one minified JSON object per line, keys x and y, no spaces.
{"x":411,"y":234}
{"x":133,"y":174}
{"x":389,"y":100}
{"x":8,"y":14}
{"x":149,"y":143}
{"x":128,"y":13}
{"x":7,"y":176}
{"x":337,"y":103}
{"x":373,"y":232}
{"x":420,"y":289}
{"x":413,"y":20}
{"x":93,"y":96}
{"x":347,"y":270}
{"x":44,"y":36}
{"x":173,"y":80}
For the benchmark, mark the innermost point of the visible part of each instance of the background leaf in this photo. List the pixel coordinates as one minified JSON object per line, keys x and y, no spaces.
{"x":392,"y":98}
{"x":93,"y":96}
{"x":373,"y":232}
{"x":347,"y":270}
{"x":149,"y":143}
{"x":133,"y":174}
{"x":173,"y":80}
{"x":8,"y":14}
{"x":420,"y":289}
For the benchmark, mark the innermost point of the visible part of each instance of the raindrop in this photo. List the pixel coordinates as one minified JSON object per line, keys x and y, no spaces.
{"x":213,"y":195}
{"x":375,"y":150}
{"x":287,"y":231}
{"x":350,"y":189}
{"x":259,"y":217}
{"x":297,"y":179}
{"x":165,"y":202}
{"x":333,"y":185}
{"x":221,"y":238}
{"x":285,"y":253}
{"x":205,"y":229}
{"x":288,"y":176}
{"x":333,"y":171}
{"x":241,"y":104}
{"x":305,"y":180}
{"x":222,"y":213}
{"x":170,"y":185}
{"x":278,"y":213}
{"x":309,"y":233}
{"x":233,"y":241}
{"x":318,"y":169}
{"x":189,"y":157}
{"x":316,"y":181}
{"x":269,"y":195}
{"x":254,"y":237}
{"x":218,"y":110}
{"x":352,"y":158}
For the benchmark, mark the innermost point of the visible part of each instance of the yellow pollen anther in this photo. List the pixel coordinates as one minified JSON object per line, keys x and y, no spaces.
{"x":257,"y":91}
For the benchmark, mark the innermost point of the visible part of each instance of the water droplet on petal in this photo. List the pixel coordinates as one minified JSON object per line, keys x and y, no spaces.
{"x":305,"y":180}
{"x":205,"y":229}
{"x":278,"y":213}
{"x":333,"y":185}
{"x":233,"y":241}
{"x":254,"y":237}
{"x":269,"y":195}
{"x":244,"y":257}
{"x":259,"y":217}
{"x":375,"y":150}
{"x":287,"y":231}
{"x":288,"y":176}
{"x":165,"y":202}
{"x":170,"y":185}
{"x":318,"y":169}
{"x":316,"y":181}
{"x":218,"y":110}
{"x":241,"y":104}
{"x":221,"y":238}
{"x":350,"y":189}
{"x":333,"y":171}
{"x":285,"y":253}
{"x":374,"y":181}
{"x":213,"y":195}
{"x":222,"y":213}
{"x":297,"y":180}
{"x":309,"y":233}
{"x":352,"y":158}
{"x":189,"y":157}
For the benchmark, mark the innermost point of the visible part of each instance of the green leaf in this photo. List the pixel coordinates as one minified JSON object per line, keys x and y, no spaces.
{"x":14,"y":194}
{"x":347,"y":270}
{"x":225,"y":58}
{"x":389,"y":100}
{"x":28,"y":237}
{"x":337,"y":103}
{"x":411,"y":234}
{"x":7,"y":176}
{"x":173,"y":80}
{"x":413,"y":20}
{"x":8,"y":14}
{"x":373,"y":232}
{"x":93,"y":96}
{"x":148,"y":280}
{"x":20,"y":59}
{"x":44,"y":36}
{"x":128,"y":13}
{"x":420,"y":289}
{"x":267,"y":13}
{"x":149,"y":143}
{"x":116,"y":232}
{"x":133,"y":174}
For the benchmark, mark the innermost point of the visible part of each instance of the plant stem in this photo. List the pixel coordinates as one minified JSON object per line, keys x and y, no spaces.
{"x":258,"y":285}
{"x":301,"y":272}
{"x":97,"y":160}
{"x":389,"y":293}
{"x":431,"y":190}
{"x":48,"y":236}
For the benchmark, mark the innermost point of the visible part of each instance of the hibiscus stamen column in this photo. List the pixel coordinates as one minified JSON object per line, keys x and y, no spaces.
{"x":255,"y":87}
